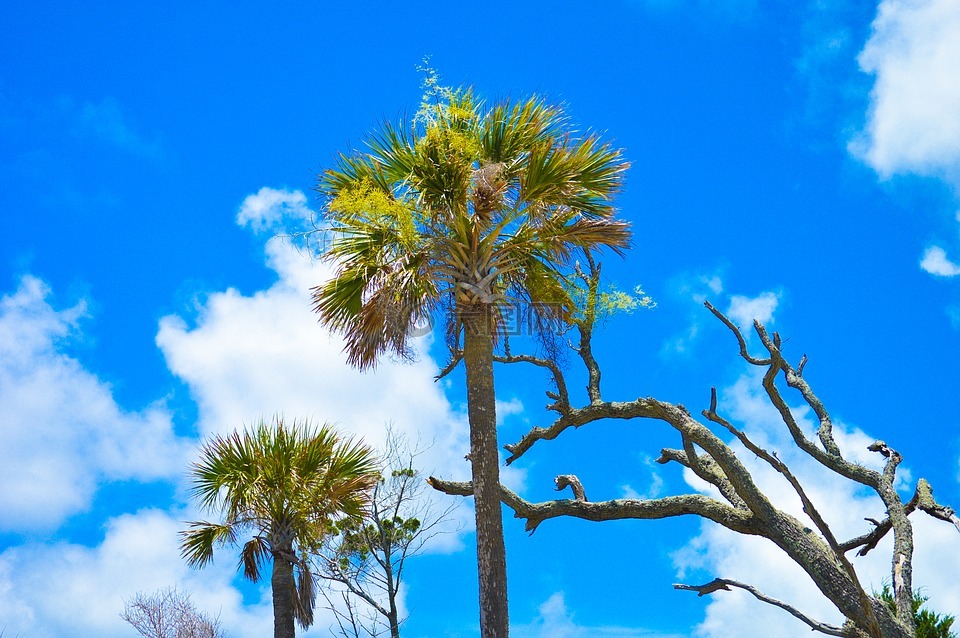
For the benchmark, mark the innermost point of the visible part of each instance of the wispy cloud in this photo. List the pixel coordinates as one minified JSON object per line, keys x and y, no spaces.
{"x":106,"y":122}
{"x":555,"y":620}
{"x":742,"y":310}
{"x":695,"y":288}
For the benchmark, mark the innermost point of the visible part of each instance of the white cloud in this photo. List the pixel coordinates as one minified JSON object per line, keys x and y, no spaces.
{"x":743,"y":311}
{"x":936,"y":262}
{"x":717,"y":552}
{"x":912,"y":124}
{"x":253,"y":356}
{"x":555,"y":620}
{"x":63,"y":432}
{"x":508,"y":408}
{"x":63,"y":589}
{"x":267,"y":209}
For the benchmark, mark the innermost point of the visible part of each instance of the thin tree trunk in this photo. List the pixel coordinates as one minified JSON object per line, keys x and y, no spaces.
{"x":481,"y":406}
{"x":282,"y":585}
{"x":393,"y":614}
{"x":394,"y":625}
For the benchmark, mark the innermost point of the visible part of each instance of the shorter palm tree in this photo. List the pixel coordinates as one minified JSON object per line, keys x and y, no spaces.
{"x":283,"y":485}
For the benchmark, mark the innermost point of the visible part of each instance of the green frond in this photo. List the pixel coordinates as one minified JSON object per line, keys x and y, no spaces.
{"x":275,"y":478}
{"x":510,"y":131}
{"x":197,"y":543}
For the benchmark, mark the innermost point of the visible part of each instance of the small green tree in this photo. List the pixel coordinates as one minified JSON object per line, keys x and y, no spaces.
{"x":929,"y":624}
{"x":285,"y":486}
{"x":367,"y":557}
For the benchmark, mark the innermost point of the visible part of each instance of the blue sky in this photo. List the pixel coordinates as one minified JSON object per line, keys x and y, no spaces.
{"x":794,"y":162}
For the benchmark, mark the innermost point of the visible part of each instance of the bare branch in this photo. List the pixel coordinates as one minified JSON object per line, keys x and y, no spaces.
{"x":926,"y":502}
{"x":808,"y":505}
{"x":704,"y":467}
{"x":585,"y":328}
{"x":870,"y":540}
{"x":738,"y":334}
{"x":725,"y":584}
{"x":561,"y":399}
{"x":667,"y":507}
{"x":830,"y":456}
{"x":749,"y":510}
{"x":796,"y":381}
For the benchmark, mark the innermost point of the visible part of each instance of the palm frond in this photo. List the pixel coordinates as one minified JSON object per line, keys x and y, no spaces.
{"x":197,"y":543}
{"x":305,"y":595}
{"x":254,"y":554}
{"x":462,"y":200}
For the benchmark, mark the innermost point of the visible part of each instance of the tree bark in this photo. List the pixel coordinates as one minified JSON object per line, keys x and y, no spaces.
{"x":282,"y":586}
{"x":485,"y":462}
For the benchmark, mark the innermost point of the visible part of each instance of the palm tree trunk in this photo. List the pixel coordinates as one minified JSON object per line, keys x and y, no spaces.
{"x":481,"y":407}
{"x":283,"y":586}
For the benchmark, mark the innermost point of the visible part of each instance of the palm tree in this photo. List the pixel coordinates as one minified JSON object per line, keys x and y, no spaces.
{"x":476,"y":211}
{"x":283,"y":485}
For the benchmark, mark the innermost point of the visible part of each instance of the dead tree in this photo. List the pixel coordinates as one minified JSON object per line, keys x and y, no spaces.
{"x":169,"y":613}
{"x":744,"y":507}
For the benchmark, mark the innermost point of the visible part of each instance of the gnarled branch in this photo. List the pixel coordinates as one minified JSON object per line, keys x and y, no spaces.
{"x":618,"y":509}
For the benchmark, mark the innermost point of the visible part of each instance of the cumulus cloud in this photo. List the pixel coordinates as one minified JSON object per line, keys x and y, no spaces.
{"x":717,"y":552}
{"x":912,"y":124}
{"x":63,"y":431}
{"x":244,"y":357}
{"x":936,"y":262}
{"x":248,"y":357}
{"x":139,"y":553}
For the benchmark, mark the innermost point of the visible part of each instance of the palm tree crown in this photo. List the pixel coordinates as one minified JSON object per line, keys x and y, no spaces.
{"x":478,"y":206}
{"x":282,"y":485}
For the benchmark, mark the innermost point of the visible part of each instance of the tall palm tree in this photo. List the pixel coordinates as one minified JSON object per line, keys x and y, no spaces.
{"x":283,"y":485}
{"x":472,"y":210}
